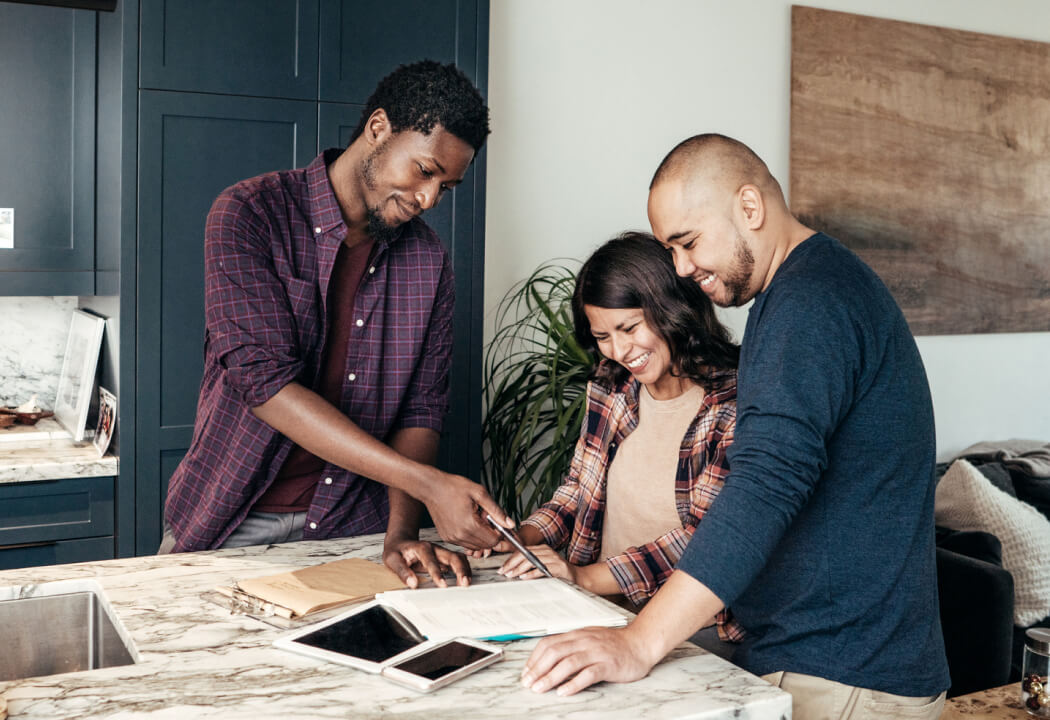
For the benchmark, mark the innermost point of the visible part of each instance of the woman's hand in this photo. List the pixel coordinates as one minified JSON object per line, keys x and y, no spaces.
{"x":519,"y":567}
{"x":503,"y":546}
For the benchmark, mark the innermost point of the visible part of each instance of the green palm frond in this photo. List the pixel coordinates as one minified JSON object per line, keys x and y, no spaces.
{"x":535,"y":391}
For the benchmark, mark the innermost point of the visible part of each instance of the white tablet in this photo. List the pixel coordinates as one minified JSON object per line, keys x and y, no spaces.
{"x":368,"y":637}
{"x":376,"y":638}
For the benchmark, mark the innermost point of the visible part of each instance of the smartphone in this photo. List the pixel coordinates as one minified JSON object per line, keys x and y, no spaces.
{"x":443,"y":664}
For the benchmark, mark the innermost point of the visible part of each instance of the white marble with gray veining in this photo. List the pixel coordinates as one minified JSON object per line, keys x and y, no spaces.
{"x":197,"y":660}
{"x":28,"y":461}
{"x":33,"y":334}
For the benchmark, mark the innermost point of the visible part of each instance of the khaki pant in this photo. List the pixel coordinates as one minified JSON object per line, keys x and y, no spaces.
{"x":259,"y":528}
{"x":814,"y":698}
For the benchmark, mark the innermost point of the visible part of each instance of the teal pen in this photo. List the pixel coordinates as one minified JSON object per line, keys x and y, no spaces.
{"x":515,"y":636}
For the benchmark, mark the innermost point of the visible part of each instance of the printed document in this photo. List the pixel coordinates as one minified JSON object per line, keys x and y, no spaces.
{"x":495,"y":610}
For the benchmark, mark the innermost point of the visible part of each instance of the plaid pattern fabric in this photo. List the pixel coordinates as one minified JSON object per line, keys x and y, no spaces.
{"x":573,"y":518}
{"x":270,"y":245}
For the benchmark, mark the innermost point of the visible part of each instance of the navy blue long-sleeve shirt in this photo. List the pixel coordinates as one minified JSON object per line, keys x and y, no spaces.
{"x":822,"y":540}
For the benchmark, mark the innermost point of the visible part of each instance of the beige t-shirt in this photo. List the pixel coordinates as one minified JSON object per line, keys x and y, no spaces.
{"x":640,"y":497}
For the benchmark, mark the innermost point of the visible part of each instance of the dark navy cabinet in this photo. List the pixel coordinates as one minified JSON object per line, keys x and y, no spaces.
{"x":192,"y":146}
{"x":47,"y":142}
{"x":228,"y":89}
{"x":233,"y":47}
{"x":362,"y":42}
{"x":56,"y":521}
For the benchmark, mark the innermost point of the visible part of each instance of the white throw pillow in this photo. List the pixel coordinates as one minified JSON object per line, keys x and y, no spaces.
{"x":967,"y":500}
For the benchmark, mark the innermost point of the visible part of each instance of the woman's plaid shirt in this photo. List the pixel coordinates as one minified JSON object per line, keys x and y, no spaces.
{"x":573,"y":517}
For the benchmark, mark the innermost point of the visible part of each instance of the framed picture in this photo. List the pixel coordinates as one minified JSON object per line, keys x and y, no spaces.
{"x":107,"y":420}
{"x":77,"y":381}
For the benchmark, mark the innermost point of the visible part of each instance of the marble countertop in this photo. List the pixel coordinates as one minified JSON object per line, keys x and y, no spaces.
{"x":197,"y":659}
{"x":45,"y":452}
{"x":999,"y":703}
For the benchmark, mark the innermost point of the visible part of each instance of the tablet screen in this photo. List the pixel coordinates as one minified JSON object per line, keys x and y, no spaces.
{"x":373,"y":634}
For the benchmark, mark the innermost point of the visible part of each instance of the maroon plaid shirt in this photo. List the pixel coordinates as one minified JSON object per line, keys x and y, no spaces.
{"x":574,"y":516}
{"x":270,"y":244}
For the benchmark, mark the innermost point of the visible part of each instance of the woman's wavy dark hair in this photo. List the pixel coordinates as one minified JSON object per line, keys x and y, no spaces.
{"x":633,"y":270}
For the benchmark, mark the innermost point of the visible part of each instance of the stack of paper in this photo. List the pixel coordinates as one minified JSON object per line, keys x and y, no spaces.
{"x":300,"y":592}
{"x":501,"y":610}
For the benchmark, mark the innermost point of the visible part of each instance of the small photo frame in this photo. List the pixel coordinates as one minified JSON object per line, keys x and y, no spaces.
{"x":77,"y":381}
{"x":107,"y":420}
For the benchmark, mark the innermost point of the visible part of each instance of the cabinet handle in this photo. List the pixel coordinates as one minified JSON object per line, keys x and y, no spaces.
{"x":21,"y":546}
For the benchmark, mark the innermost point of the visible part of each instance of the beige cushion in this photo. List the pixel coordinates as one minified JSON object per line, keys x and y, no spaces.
{"x":967,"y":500}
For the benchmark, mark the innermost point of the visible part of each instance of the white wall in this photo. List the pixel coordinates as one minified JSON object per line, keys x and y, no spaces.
{"x":588,"y":95}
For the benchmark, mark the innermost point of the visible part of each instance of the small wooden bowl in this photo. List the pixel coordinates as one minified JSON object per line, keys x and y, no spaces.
{"x":31,"y":418}
{"x":6,"y":420}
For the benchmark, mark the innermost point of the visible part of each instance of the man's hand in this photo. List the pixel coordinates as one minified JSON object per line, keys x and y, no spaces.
{"x":518,"y":566}
{"x":458,"y":506}
{"x":579,"y":659}
{"x":406,"y":557}
{"x":576,"y":660}
{"x":526,"y":534}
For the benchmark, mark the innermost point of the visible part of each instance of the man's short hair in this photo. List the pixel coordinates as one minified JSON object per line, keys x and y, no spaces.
{"x":426,"y":93}
{"x":723,"y":156}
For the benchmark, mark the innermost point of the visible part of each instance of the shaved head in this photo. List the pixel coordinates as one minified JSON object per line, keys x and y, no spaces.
{"x":714,"y":205}
{"x":715,"y":162}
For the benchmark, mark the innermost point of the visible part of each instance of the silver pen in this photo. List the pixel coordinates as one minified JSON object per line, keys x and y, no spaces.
{"x":519,"y":547}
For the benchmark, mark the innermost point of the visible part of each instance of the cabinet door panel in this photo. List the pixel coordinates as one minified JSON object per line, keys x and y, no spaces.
{"x":192,"y":147}
{"x":56,"y":553}
{"x":362,"y":42}
{"x":47,"y":132}
{"x":238,"y":47}
{"x":33,"y":512}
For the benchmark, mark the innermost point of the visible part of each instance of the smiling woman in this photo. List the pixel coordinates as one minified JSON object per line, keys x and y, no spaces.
{"x":660,"y":414}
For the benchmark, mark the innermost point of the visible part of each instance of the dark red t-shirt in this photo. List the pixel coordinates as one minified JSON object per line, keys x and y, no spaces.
{"x":293,"y":488}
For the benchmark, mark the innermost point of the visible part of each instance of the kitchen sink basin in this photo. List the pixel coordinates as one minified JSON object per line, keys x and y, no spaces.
{"x":60,"y":632}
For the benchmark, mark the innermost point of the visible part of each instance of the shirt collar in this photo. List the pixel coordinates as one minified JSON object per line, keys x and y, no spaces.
{"x":324,"y":207}
{"x":325,"y":212}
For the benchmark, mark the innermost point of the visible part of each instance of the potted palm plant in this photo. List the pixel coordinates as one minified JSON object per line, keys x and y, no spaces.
{"x":535,"y":376}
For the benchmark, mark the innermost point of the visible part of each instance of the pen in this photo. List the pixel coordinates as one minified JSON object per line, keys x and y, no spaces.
{"x":519,"y":547}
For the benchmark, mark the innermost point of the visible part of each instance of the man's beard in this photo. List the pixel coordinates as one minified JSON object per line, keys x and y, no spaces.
{"x":378,"y":228}
{"x":737,"y":282}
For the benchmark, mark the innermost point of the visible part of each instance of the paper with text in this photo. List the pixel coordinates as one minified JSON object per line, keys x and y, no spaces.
{"x":524,"y":607}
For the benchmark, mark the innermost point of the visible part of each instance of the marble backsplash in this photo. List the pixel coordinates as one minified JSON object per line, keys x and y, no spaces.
{"x":33,"y":334}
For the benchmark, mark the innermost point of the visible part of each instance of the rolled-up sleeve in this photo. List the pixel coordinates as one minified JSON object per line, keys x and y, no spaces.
{"x":251,"y":328}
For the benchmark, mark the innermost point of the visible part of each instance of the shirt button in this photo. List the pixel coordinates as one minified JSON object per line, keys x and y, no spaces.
{"x":352,"y":377}
{"x":317,"y":231}
{"x":371,"y":269}
{"x":359,"y":322}
{"x":328,"y":481}
{"x":313,"y":526}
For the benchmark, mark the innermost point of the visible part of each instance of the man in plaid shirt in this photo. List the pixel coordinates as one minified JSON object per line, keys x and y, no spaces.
{"x":328,"y":341}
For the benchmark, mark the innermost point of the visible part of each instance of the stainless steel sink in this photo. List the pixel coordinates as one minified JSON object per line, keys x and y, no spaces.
{"x":60,"y":633}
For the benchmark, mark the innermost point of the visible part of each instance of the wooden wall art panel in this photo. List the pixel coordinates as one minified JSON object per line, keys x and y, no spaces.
{"x":927,"y":151}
